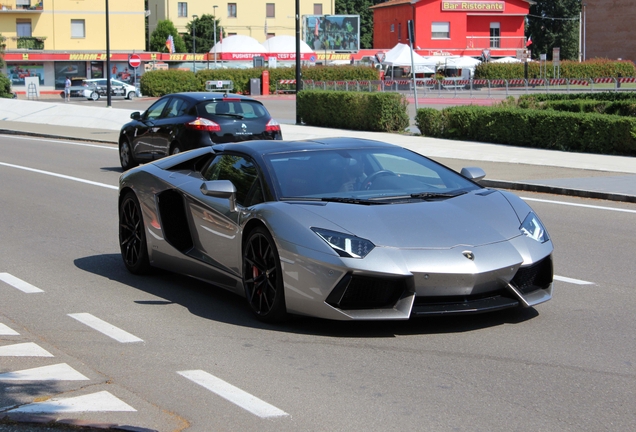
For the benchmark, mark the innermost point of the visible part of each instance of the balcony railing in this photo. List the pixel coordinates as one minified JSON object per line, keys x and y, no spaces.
{"x":501,"y":42}
{"x":24,"y":43}
{"x":21,"y":5}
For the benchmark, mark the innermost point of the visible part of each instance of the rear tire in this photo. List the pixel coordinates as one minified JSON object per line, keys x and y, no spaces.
{"x":175,"y":148}
{"x":263,"y":277}
{"x":132,"y":236}
{"x":94,"y":96}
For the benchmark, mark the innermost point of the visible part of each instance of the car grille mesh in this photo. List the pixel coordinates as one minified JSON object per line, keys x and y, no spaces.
{"x":363,"y":292}
{"x":536,"y":276}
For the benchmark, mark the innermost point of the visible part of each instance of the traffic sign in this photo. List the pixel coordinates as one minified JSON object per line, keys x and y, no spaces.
{"x":134,"y":61}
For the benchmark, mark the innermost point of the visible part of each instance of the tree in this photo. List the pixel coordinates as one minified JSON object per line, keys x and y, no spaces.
{"x":158,"y":38}
{"x":204,"y":32}
{"x":2,"y":46}
{"x":360,"y":7}
{"x":554,"y":24}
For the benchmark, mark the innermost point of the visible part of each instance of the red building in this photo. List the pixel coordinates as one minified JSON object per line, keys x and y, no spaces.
{"x":464,"y":28}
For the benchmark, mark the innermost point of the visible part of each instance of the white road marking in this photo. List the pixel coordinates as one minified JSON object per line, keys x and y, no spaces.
{"x":233,"y":394}
{"x":103,"y":327}
{"x":28,"y":349}
{"x":58,"y":372}
{"x":573,"y":281}
{"x":112,"y":147}
{"x":96,"y":402}
{"x":19,"y":284}
{"x":7,"y":331}
{"x":579,"y":205}
{"x":77,"y":179}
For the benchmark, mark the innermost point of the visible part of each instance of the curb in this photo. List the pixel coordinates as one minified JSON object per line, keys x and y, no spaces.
{"x":43,"y":135}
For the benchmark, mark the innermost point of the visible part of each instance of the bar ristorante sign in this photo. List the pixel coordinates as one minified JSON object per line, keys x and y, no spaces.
{"x":473,"y":6}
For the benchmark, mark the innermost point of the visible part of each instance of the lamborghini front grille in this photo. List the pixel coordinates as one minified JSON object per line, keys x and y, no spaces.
{"x":363,"y":292}
{"x":533,"y":277}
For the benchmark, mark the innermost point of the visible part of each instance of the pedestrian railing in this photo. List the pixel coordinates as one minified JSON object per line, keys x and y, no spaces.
{"x":468,"y":87}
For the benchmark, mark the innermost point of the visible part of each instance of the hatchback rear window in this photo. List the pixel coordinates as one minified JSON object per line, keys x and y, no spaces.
{"x":245,"y":108}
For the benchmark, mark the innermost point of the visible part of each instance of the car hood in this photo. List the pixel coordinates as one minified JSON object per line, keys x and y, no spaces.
{"x":474,"y":219}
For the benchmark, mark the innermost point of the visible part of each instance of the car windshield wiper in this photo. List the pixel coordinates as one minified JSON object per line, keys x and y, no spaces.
{"x":350,"y":200}
{"x":434,"y":195}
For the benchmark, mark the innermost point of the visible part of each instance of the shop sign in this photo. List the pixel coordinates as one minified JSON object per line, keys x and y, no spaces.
{"x":473,"y":6}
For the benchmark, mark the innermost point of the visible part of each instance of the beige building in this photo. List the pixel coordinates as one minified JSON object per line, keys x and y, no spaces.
{"x":55,"y":38}
{"x":260,"y":19}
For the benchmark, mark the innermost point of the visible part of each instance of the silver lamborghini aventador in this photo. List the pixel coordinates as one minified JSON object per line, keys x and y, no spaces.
{"x":340,"y":228}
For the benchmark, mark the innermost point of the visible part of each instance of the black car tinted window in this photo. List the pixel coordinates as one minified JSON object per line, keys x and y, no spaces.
{"x":246,"y":108}
{"x":176,"y":108}
{"x":154,"y":112}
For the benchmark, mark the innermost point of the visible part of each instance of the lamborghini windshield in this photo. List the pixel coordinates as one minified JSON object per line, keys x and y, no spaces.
{"x":360,"y":175}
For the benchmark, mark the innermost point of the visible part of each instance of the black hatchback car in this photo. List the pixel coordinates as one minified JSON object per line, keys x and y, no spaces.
{"x":184,"y":121}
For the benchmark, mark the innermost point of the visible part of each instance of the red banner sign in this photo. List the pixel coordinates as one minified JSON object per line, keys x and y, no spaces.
{"x":473,"y":6}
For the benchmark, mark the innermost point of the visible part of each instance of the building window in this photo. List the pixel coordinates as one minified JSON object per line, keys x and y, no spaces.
{"x":231,"y":34}
{"x":399,"y":31}
{"x":231,"y":10}
{"x":392,"y":28}
{"x":317,"y":8}
{"x":78,"y":28}
{"x":23,"y":28}
{"x":182,"y":9}
{"x":495,"y":33}
{"x":270,"y":10}
{"x":270,"y":35}
{"x":440,"y":30}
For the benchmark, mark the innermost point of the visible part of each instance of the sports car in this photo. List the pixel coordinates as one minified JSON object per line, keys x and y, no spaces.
{"x":338,"y":228}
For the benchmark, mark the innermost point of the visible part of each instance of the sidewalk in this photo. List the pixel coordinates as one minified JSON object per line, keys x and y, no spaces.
{"x":549,"y":171}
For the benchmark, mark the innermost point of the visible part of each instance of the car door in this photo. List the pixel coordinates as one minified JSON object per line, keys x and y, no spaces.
{"x":117,"y":88}
{"x":101,"y":86}
{"x":216,"y":225}
{"x":143,"y":140}
{"x":167,"y":125}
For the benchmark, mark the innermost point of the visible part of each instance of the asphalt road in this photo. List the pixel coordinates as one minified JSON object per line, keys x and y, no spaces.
{"x":568,"y":365}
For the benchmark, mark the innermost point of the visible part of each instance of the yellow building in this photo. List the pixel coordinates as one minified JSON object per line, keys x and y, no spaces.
{"x":55,"y":38}
{"x":260,"y":19}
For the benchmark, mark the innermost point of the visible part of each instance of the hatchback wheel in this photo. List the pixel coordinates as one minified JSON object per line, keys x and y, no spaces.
{"x":94,"y":96}
{"x":263,"y":277}
{"x":175,"y":148}
{"x":132,"y":235}
{"x":130,"y":96}
{"x":126,"y":158}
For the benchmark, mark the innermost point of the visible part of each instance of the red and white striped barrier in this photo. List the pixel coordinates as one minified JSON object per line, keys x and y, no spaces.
{"x":480,"y":82}
{"x":603,"y":80}
{"x":287,"y":82}
{"x":582,"y":82}
{"x":627,"y":80}
{"x":498,"y":82}
{"x":558,"y":81}
{"x":536,"y":81}
{"x":517,"y":82}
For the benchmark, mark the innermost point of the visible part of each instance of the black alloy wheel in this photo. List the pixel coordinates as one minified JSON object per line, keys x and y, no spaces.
{"x":132,"y":236}
{"x":175,"y":148}
{"x":126,"y":158}
{"x":263,"y":277}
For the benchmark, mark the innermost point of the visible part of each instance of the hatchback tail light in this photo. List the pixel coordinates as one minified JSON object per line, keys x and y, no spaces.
{"x":202,"y":124}
{"x":272,"y":126}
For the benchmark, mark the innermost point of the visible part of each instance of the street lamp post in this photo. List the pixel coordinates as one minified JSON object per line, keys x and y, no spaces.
{"x":584,"y":19}
{"x":194,"y":42}
{"x":108,"y":86}
{"x":214,"y":9}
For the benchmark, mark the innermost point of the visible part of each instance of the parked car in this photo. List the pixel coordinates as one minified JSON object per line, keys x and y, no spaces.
{"x":184,"y":121}
{"x":99,"y":88}
{"x":78,"y":88}
{"x":337,"y":228}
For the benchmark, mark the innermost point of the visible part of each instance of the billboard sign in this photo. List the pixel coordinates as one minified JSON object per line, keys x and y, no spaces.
{"x":332,"y":32}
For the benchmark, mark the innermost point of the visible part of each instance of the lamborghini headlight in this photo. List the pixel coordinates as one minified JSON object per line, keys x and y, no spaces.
{"x":345,"y":245}
{"x":533,"y":228}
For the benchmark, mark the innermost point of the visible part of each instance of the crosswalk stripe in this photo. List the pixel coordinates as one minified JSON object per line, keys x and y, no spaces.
{"x":58,"y":372}
{"x":105,"y":328}
{"x":7,"y":331}
{"x":28,"y":349}
{"x":233,"y":394}
{"x":95,"y":402}
{"x":19,"y":284}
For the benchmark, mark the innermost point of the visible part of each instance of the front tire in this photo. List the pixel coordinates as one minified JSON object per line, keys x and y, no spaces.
{"x":126,"y":157}
{"x":130,"y":95}
{"x":263,"y":277}
{"x":175,"y":148}
{"x":132,"y":235}
{"x":94,"y":96}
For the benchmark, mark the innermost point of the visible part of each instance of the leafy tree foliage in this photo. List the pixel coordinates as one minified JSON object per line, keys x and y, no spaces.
{"x":2,"y":45}
{"x":360,"y":7}
{"x":554,"y":24}
{"x":160,"y":35}
{"x":204,"y":33}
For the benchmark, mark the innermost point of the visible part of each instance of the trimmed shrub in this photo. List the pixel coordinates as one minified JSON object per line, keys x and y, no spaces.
{"x":569,"y":69}
{"x":430,"y":122}
{"x":383,"y":112}
{"x":5,"y":87}
{"x":592,"y":133}
{"x":161,"y":82}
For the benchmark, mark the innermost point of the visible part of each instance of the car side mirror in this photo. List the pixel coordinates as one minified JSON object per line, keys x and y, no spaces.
{"x":136,"y":115}
{"x":473,"y":173}
{"x":220,"y":189}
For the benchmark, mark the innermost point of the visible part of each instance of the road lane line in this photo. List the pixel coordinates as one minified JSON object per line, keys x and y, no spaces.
{"x":233,"y":394}
{"x":579,"y":205}
{"x":58,"y":372}
{"x":102,"y":401}
{"x":103,"y":327}
{"x":77,"y":179}
{"x":57,"y":141}
{"x":19,"y":284}
{"x":27,"y":349}
{"x":573,"y":281}
{"x":5,"y":330}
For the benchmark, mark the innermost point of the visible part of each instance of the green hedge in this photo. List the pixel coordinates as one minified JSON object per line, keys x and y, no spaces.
{"x":381,"y":112}
{"x":5,"y":87}
{"x":620,"y":108}
{"x":591,"y":133}
{"x":569,"y":69}
{"x":600,"y":96}
{"x":158,"y":83}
